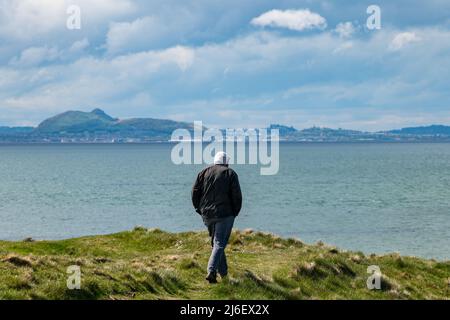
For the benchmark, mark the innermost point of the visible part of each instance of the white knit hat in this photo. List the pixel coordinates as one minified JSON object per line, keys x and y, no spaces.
{"x":221,"y":158}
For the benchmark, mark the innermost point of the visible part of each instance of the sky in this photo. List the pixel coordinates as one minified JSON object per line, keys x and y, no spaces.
{"x":233,"y":63}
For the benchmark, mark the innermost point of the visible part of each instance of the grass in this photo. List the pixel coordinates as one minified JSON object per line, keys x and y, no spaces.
{"x":152,"y":264}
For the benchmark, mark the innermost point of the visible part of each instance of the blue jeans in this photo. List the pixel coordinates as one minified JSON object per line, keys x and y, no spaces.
{"x":220,"y":231}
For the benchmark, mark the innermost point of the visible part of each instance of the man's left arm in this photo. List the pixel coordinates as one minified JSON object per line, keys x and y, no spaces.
{"x":197,"y":192}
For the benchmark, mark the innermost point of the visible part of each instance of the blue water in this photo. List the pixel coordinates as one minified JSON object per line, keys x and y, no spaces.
{"x":369,"y":197}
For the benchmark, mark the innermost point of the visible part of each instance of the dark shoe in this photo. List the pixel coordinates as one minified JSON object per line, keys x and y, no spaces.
{"x":211,"y":278}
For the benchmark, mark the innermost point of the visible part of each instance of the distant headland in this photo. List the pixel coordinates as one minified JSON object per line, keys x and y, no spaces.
{"x":98,"y":127}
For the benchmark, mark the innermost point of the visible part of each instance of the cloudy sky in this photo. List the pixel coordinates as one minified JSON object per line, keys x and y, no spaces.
{"x":228,"y":63}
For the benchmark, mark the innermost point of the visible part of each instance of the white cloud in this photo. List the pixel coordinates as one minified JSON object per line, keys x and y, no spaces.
{"x":22,"y":19}
{"x":145,"y":64}
{"x":343,"y":47}
{"x":122,"y":34}
{"x":51,"y":88}
{"x":152,"y":31}
{"x":402,"y":39}
{"x":79,"y":46}
{"x":166,"y":83}
{"x":291,"y":19}
{"x":183,"y":57}
{"x":345,"y":29}
{"x":101,"y":9}
{"x":34,"y":56}
{"x":25,"y":19}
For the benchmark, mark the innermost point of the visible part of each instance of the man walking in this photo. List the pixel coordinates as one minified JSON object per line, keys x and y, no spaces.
{"x":217,"y":197}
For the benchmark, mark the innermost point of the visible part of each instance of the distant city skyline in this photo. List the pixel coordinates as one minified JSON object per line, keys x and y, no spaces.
{"x":228,"y":63}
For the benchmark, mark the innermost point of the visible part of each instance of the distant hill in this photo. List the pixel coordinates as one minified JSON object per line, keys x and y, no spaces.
{"x":98,"y":127}
{"x":283,"y":130}
{"x":15,"y":130}
{"x":329,"y":131}
{"x":428,"y":130}
{"x":73,"y":122}
{"x":77,"y":121}
{"x":151,"y":125}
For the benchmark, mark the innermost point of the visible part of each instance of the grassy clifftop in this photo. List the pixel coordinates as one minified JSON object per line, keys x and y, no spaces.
{"x":152,"y":264}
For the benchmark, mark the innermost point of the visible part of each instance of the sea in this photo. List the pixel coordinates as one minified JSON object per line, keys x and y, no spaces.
{"x":370,"y":197}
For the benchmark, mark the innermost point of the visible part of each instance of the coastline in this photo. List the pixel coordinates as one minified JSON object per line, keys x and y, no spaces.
{"x":153,"y":264}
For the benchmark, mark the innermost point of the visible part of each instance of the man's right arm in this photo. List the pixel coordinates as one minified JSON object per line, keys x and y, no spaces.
{"x":236,"y":194}
{"x":197,"y":191}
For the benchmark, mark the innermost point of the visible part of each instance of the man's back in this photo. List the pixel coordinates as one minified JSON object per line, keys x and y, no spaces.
{"x":217,"y":193}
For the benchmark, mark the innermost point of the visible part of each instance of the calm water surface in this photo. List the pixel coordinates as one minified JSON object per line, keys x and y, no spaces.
{"x":369,"y":197}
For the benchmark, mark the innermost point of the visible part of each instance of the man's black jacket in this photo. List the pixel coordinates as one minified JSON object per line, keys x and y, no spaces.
{"x":217,"y":193}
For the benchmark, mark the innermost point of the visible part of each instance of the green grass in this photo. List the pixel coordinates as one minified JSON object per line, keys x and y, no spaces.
{"x":152,"y":264}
